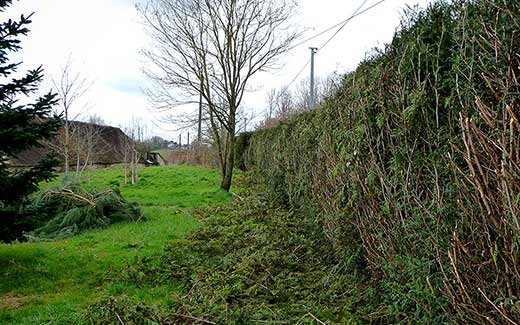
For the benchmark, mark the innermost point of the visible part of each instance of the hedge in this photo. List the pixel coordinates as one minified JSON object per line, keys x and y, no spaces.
{"x":412,"y":168}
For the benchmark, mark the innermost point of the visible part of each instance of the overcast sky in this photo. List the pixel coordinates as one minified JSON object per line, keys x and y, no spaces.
{"x":104,"y":38}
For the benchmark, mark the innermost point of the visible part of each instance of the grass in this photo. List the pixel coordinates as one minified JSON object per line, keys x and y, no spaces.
{"x":251,"y":262}
{"x":52,"y":282}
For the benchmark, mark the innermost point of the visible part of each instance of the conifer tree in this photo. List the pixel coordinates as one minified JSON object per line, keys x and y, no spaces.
{"x":24,"y":122}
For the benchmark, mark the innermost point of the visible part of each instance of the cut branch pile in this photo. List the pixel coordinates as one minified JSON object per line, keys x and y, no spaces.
{"x":72,"y":209}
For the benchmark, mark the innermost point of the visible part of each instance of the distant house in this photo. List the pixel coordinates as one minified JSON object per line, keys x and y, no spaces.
{"x":172,"y":145}
{"x":106,"y":146}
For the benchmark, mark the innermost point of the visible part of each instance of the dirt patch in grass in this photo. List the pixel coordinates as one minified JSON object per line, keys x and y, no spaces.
{"x":12,"y":302}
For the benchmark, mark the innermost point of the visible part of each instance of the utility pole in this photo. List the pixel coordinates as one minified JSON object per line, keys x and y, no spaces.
{"x":180,"y":140}
{"x":312,"y":90}
{"x":188,"y":143}
{"x":199,"y":132}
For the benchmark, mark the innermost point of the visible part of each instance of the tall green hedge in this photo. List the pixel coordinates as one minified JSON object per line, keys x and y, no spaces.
{"x":241,"y":145}
{"x":412,"y":170}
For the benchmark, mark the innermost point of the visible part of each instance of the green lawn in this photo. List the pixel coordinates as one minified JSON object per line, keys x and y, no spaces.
{"x":52,"y":282}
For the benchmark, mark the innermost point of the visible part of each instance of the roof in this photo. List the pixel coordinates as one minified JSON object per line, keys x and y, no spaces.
{"x":108,"y":146}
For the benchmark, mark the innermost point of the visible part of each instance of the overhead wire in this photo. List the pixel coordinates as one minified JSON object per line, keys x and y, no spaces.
{"x":341,"y":25}
{"x":299,"y":73}
{"x":356,"y":13}
{"x":344,"y":23}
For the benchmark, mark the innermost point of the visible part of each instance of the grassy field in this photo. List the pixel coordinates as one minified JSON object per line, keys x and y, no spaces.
{"x":52,"y":282}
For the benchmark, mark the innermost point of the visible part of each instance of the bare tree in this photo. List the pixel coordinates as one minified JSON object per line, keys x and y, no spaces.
{"x":302,"y":98}
{"x":285,"y":103}
{"x":130,"y":156}
{"x":280,"y":105}
{"x":96,"y":119}
{"x":71,"y":87}
{"x":86,"y":143}
{"x":213,"y":48}
{"x":272,"y":102}
{"x":133,"y":149}
{"x":324,"y":87}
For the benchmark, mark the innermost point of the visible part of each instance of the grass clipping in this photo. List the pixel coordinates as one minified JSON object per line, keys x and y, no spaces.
{"x":72,"y":209}
{"x":250,"y":262}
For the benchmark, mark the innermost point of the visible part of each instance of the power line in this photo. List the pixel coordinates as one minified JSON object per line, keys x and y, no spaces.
{"x":342,"y":25}
{"x":315,"y":36}
{"x":299,"y":73}
{"x":356,"y":13}
{"x":345,"y":23}
{"x":337,"y":24}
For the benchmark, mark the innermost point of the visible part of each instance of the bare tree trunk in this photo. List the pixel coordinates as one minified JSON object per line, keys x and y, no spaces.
{"x":125,"y":164}
{"x":132,"y":180}
{"x":79,"y":149}
{"x":85,"y":164}
{"x":229,"y":153}
{"x":66,"y":144}
{"x":135,"y":160}
{"x":228,"y":168}
{"x":217,"y":139}
{"x":77,"y":165}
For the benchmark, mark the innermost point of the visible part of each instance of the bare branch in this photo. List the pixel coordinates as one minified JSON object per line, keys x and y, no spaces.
{"x":213,"y":48}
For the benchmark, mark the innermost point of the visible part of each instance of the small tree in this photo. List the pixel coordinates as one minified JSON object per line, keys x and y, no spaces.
{"x":324,"y":87}
{"x":130,"y":156}
{"x":86,"y":144}
{"x":283,"y":103}
{"x":22,"y":125}
{"x":71,"y":87}
{"x":133,"y":148}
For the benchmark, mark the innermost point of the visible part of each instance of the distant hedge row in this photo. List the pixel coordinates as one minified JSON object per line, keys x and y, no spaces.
{"x":412,"y":169}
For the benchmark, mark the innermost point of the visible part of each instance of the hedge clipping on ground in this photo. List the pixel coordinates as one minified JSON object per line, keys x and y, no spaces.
{"x":71,"y":209}
{"x":251,"y":262}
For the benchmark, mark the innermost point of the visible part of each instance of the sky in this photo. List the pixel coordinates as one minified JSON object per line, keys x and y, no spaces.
{"x":104,"y":39}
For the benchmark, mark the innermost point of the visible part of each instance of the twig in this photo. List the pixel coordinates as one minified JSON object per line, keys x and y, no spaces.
{"x":316,"y":319}
{"x":270,"y":321}
{"x":238,"y":196}
{"x":120,"y":320}
{"x":74,"y":195}
{"x":495,"y":306}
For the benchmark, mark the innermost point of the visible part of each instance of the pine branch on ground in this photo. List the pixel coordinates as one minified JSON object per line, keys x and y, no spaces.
{"x":71,"y":209}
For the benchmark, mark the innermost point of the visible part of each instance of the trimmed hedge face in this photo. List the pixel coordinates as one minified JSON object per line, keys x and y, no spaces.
{"x":241,"y":145}
{"x":412,"y":168}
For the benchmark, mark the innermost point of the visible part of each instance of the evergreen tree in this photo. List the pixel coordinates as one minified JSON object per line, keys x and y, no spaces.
{"x":22,"y":126}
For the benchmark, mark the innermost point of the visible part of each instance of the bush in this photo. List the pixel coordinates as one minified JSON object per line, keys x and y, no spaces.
{"x":411,"y":169}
